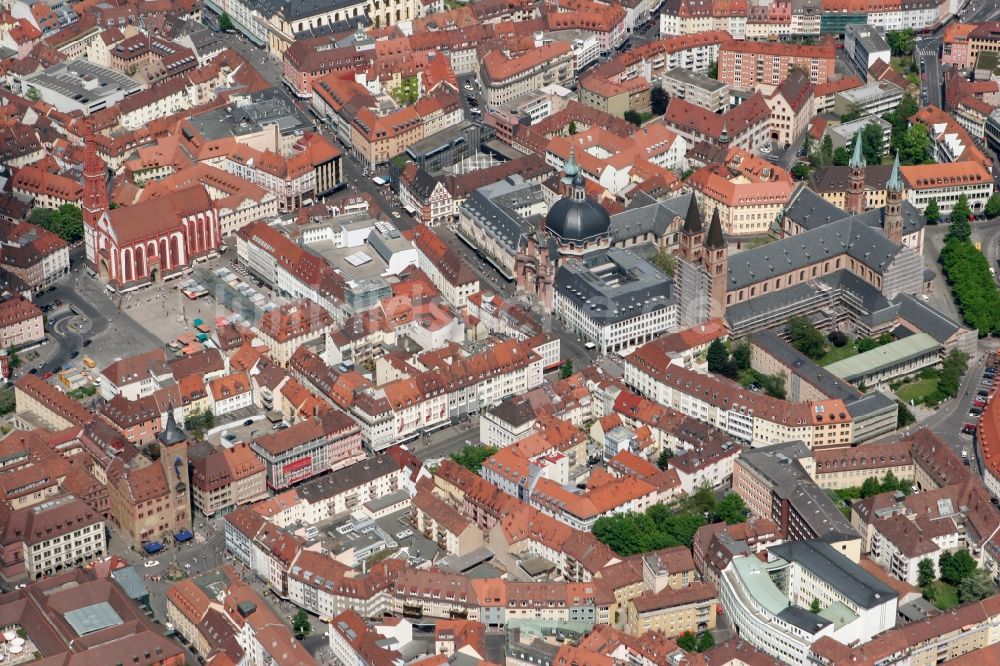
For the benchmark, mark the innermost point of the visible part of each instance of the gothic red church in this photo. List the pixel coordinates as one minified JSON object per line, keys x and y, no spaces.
{"x":131,"y":246}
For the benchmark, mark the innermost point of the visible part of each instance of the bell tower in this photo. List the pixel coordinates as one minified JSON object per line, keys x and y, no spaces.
{"x":893,"y":219}
{"x":692,"y":233}
{"x":716,"y":263}
{"x":95,"y":189}
{"x":173,"y":445}
{"x":856,"y":181}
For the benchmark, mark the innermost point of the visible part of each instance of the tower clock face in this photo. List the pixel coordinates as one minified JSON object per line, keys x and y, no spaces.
{"x":177,"y":466}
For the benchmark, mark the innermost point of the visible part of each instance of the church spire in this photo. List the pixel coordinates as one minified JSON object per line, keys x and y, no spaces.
{"x":715,"y":240}
{"x":858,"y":159}
{"x":895,"y":183}
{"x":693,"y":223}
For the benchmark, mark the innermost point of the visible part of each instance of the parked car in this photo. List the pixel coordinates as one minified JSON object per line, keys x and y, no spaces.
{"x":248,"y":422}
{"x":975,"y":412}
{"x":47,"y":374}
{"x":151,"y":563}
{"x":983,"y":392}
{"x":968,"y":428}
{"x":978,"y":403}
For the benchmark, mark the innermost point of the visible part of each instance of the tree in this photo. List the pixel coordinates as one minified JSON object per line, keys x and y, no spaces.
{"x":957,"y":567}
{"x":889,"y":483}
{"x":472,"y":456}
{"x":972,"y":285}
{"x":226,"y":23}
{"x":925,"y":572}
{"x":871,"y":144}
{"x":713,"y":70}
{"x":7,"y":400}
{"x":731,"y":510}
{"x":953,"y":367}
{"x":741,"y":356}
{"x":944,"y":562}
{"x":914,"y":146}
{"x":633,"y":117}
{"x":658,"y":100}
{"x":992,"y":208}
{"x":961,"y":212}
{"x":687,"y":642}
{"x":151,"y":451}
{"x":853,"y":112}
{"x":706,"y":641}
{"x":65,"y":221}
{"x":901,"y":42}
{"x":932,"y":213}
{"x":665,"y":261}
{"x":664,"y":460}
{"x":904,"y":416}
{"x":826,"y":150}
{"x":702,"y":500}
{"x":15,"y":360}
{"x":800,"y":171}
{"x":976,"y":586}
{"x":301,"y":625}
{"x":198,"y":422}
{"x":806,"y":338}
{"x":899,"y":118}
{"x":572,"y":127}
{"x":866,"y":344}
{"x":841,"y":156}
{"x":870,"y":487}
{"x":33,"y":94}
{"x":814,"y":607}
{"x":566,"y":371}
{"x":838,"y":338}
{"x":717,"y":355}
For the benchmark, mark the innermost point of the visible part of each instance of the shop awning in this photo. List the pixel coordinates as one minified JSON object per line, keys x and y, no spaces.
{"x":152,"y":547}
{"x":183,"y":536}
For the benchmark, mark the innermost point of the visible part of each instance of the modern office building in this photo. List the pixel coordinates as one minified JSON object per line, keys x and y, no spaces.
{"x":769,"y":603}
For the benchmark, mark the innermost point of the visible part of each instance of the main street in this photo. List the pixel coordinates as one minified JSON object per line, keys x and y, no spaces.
{"x":928,"y":50}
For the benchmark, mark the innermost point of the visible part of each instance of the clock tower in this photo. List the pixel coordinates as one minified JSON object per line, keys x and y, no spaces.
{"x":173,"y":444}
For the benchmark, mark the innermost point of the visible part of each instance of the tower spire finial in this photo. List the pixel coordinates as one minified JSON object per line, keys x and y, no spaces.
{"x":858,"y":159}
{"x":570,"y":169}
{"x":895,"y":183}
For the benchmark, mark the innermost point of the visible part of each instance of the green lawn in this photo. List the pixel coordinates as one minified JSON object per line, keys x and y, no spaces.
{"x":407,"y":92}
{"x":838,"y":353}
{"x":942,"y":595}
{"x":916,"y":391}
